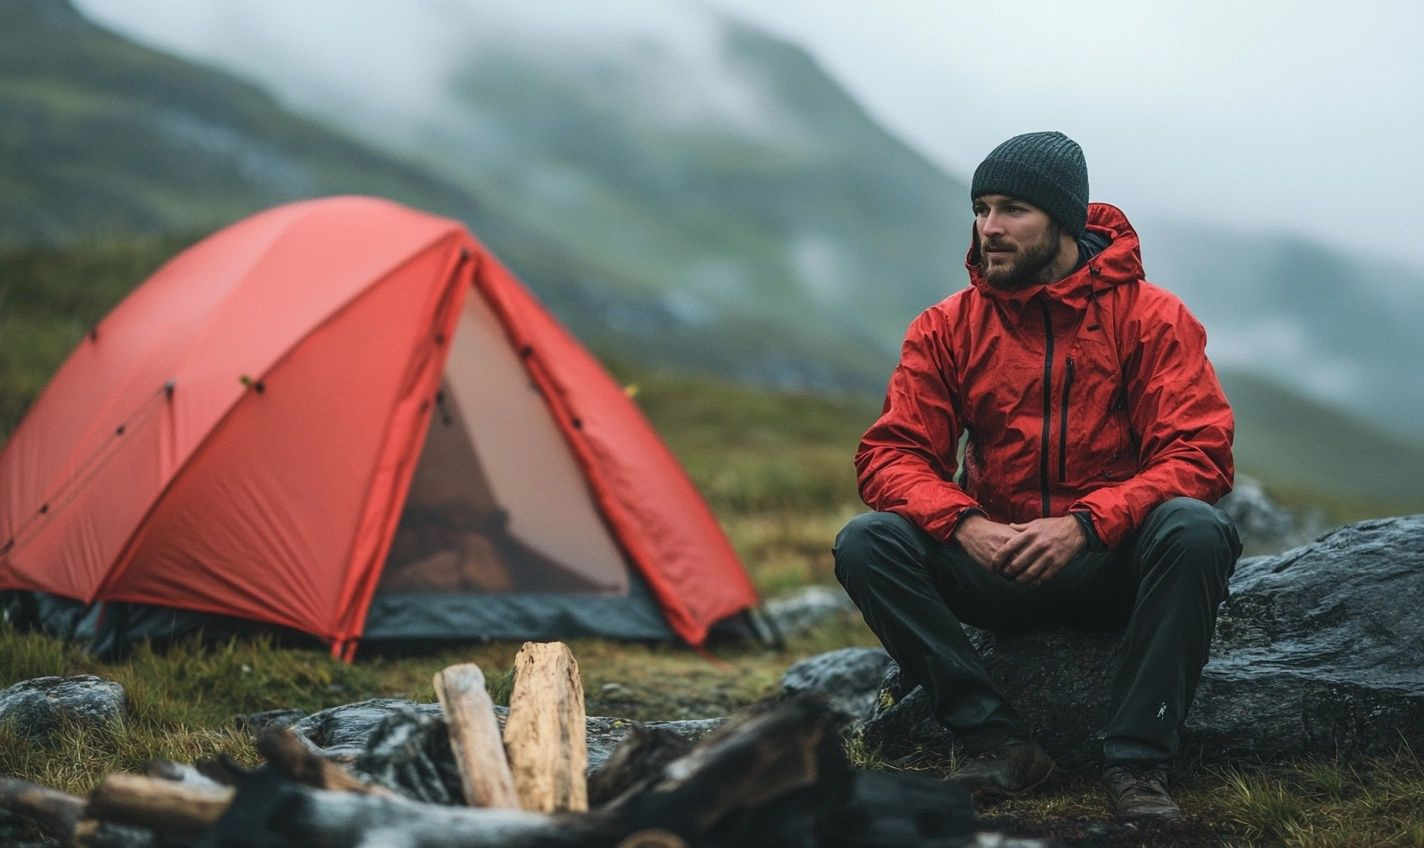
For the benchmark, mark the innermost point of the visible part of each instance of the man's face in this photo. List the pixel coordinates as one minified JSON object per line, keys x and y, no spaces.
{"x":1018,"y":242}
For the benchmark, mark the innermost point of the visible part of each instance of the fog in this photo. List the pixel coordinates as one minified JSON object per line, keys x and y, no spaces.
{"x":1272,"y":117}
{"x":1268,"y":116}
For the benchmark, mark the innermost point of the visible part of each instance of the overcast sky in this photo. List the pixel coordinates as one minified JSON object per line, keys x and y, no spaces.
{"x":1269,"y":115}
{"x":1265,"y":116}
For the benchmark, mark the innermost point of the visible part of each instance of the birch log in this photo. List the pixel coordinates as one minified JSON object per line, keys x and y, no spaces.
{"x":545,"y":731}
{"x":474,"y":738}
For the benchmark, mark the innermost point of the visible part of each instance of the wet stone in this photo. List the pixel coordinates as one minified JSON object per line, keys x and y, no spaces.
{"x":43,"y":706}
{"x":849,"y":679}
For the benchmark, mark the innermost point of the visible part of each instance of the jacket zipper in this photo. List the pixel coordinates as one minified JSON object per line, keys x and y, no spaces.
{"x":1047,"y":405}
{"x":1063,"y":424}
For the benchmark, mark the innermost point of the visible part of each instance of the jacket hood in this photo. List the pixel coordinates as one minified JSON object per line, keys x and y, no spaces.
{"x":1119,"y":262}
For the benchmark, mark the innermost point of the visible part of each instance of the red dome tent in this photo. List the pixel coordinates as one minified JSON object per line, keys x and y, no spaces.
{"x":346,"y":418}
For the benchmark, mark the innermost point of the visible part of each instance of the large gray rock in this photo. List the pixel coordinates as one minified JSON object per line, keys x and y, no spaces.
{"x":806,"y":608}
{"x":849,"y":679}
{"x":366,"y":733}
{"x":45,"y":705}
{"x":1265,"y":526}
{"x":1318,"y":650}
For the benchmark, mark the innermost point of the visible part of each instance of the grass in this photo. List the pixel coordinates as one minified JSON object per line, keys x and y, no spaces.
{"x":1310,"y":802}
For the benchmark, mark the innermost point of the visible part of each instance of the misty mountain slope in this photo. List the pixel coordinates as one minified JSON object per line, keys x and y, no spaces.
{"x":803,"y":206}
{"x":700,"y":196}
{"x":1341,"y":327}
{"x":695,"y":161}
{"x":1299,"y":443}
{"x":99,"y":134}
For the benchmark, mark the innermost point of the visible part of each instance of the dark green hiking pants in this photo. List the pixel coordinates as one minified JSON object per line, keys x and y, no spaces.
{"x":1164,"y":584}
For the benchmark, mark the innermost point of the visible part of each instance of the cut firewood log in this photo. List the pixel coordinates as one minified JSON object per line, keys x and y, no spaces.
{"x":485,"y":774}
{"x":653,"y":839}
{"x":280,"y":747}
{"x":544,"y":733}
{"x":765,"y":770}
{"x":637,"y":761}
{"x":180,"y":773}
{"x":287,"y":815}
{"x":54,"y":811}
{"x":172,"y":809}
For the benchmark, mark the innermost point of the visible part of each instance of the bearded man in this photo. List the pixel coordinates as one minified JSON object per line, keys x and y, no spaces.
{"x":1097,"y":439}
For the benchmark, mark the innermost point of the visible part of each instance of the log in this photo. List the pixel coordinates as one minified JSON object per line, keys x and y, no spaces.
{"x":91,"y":833}
{"x":544,"y":733}
{"x":637,"y":761}
{"x":762,"y":777}
{"x":281,"y":747}
{"x":172,"y":809}
{"x":57,"y":813}
{"x":290,"y":815}
{"x":485,"y":775}
{"x":653,"y":839}
{"x":180,"y":773}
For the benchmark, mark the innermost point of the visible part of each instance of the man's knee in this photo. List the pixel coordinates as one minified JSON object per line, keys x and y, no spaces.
{"x":870,"y":540}
{"x":1197,"y":522}
{"x":1194,"y":527}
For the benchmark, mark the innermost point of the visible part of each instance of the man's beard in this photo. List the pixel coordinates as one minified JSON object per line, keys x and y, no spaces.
{"x":1028,"y":264}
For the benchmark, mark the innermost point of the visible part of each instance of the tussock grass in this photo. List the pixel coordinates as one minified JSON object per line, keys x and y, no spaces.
{"x":1319,"y":802}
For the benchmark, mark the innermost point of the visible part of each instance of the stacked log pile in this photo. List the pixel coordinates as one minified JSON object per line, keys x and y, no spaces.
{"x":775,"y":776}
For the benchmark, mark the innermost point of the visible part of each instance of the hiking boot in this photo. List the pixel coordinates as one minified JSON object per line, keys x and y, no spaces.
{"x":1006,"y":771}
{"x":1139,"y":793}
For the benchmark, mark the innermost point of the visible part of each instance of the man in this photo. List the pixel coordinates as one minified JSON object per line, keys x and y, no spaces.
{"x":1097,"y":438}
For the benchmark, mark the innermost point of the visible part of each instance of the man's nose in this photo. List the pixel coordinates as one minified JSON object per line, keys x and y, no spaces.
{"x":992,"y":224}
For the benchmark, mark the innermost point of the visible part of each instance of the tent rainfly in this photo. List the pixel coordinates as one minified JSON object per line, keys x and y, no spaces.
{"x":344,"y":417}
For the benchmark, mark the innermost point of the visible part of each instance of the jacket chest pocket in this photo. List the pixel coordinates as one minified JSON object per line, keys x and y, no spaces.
{"x":1096,"y":438}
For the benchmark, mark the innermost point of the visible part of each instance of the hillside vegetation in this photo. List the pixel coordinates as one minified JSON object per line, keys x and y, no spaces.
{"x":100,"y":135}
{"x":750,"y":449}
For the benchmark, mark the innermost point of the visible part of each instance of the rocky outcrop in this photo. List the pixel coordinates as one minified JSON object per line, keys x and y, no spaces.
{"x":1265,"y":526}
{"x":43,"y":706}
{"x":849,"y":679}
{"x":806,"y":608}
{"x":1318,"y":650}
{"x":402,"y":729}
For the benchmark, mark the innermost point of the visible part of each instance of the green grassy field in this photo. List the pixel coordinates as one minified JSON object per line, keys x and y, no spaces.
{"x":776,"y":469}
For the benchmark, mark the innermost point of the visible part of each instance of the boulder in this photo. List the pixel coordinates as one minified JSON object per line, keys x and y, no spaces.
{"x":40,"y":707}
{"x":806,"y":608}
{"x":413,"y":738}
{"x":342,"y":733}
{"x":1318,"y":650}
{"x":849,"y":679}
{"x":1265,"y":526}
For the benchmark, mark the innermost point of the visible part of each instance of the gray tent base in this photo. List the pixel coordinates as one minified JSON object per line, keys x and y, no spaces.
{"x":399,"y":621}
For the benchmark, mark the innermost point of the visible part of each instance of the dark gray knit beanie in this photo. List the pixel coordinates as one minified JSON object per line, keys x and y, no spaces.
{"x":1043,"y":168}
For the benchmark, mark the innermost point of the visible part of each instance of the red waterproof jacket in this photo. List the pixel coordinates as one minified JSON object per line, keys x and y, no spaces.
{"x":1090,"y":394}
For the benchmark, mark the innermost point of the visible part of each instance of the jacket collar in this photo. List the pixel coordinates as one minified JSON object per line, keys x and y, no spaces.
{"x":1120,"y":262}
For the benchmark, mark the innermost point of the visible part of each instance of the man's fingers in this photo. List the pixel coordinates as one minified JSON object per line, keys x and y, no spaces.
{"x":1008,"y":551}
{"x":1030,"y":564}
{"x":1042,"y":569}
{"x":1025,"y":555}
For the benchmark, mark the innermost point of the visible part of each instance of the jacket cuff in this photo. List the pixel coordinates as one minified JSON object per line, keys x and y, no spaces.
{"x":959,"y":519}
{"x":1085,"y":520}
